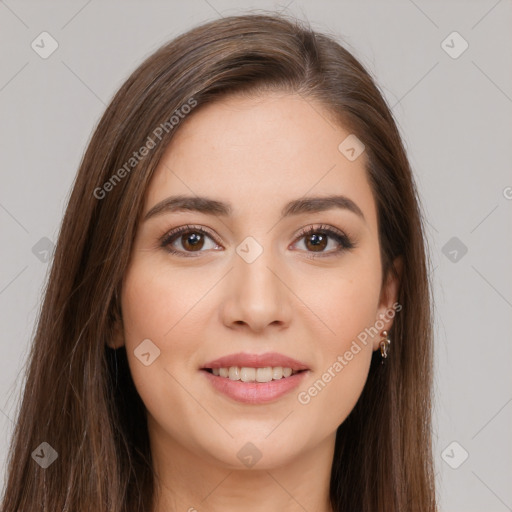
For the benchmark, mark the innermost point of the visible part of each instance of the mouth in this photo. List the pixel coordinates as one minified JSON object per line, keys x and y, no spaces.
{"x":255,"y":378}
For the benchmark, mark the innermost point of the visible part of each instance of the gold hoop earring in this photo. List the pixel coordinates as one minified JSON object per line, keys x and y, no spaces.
{"x":384,"y":345}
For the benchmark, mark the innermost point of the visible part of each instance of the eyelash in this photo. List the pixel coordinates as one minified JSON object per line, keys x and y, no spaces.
{"x":341,"y":238}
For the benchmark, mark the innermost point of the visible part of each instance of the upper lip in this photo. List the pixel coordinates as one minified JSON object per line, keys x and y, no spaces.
{"x":256,"y":361}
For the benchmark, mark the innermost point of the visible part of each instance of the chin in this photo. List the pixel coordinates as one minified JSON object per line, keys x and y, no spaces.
{"x":257,"y":452}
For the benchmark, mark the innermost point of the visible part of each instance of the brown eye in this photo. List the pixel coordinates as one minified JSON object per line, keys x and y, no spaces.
{"x":316,"y":242}
{"x":318,"y":239}
{"x":192,"y":242}
{"x":188,"y":239}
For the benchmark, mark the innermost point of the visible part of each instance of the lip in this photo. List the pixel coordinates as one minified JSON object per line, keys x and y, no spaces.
{"x":256,"y":361}
{"x":254,"y":392}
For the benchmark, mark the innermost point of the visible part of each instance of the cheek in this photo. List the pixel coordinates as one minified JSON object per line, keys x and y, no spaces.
{"x":159,"y":306}
{"x":343,"y":362}
{"x":347,"y":307}
{"x":345,"y":299}
{"x":158,"y":303}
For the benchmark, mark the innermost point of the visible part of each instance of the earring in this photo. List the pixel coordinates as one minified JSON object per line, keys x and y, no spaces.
{"x":384,"y":345}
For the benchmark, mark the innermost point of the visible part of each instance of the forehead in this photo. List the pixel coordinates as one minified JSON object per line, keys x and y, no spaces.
{"x":265,"y":150}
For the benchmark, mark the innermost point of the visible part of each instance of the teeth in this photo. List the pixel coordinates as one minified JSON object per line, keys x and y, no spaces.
{"x":277,"y":372}
{"x":234,"y":373}
{"x":247,"y":374}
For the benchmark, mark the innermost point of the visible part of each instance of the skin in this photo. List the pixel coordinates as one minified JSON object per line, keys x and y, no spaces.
{"x":256,"y":153}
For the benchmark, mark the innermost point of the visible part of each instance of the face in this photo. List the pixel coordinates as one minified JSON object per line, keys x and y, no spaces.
{"x":264,"y":276}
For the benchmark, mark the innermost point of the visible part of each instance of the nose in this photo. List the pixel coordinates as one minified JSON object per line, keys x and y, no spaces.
{"x":256,"y":295}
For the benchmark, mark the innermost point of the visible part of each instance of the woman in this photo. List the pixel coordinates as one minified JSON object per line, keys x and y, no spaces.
{"x":238,"y":311}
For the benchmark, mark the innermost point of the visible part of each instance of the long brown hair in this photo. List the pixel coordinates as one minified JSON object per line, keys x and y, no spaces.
{"x":79,"y":397}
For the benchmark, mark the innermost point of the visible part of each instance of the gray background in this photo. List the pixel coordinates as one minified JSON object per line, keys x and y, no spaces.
{"x":455,"y":118}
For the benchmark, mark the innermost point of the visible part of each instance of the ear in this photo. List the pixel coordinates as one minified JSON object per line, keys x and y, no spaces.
{"x":115,"y":338}
{"x":388,"y":301}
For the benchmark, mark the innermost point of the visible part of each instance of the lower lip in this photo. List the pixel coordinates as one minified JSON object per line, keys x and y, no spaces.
{"x":255,"y":392}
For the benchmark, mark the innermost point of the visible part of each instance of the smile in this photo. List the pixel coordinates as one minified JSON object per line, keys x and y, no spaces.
{"x":248,"y":374}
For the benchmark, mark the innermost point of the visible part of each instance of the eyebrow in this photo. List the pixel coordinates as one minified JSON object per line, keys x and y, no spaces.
{"x":213,"y":207}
